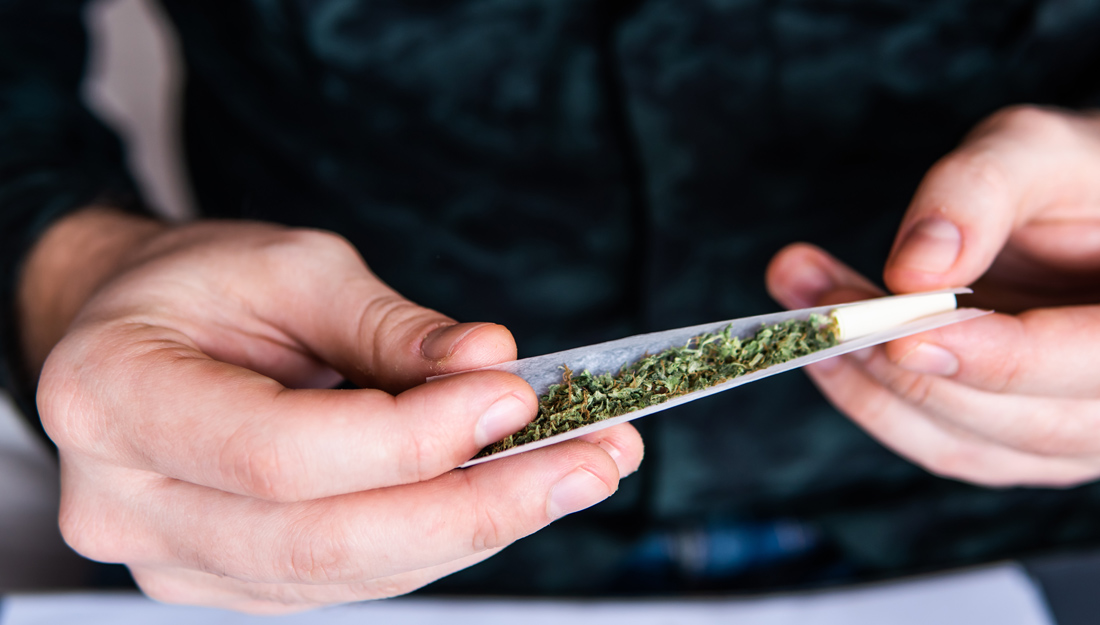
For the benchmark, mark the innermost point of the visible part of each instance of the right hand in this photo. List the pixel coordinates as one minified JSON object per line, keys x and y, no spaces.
{"x":1010,"y":399}
{"x":198,"y":447}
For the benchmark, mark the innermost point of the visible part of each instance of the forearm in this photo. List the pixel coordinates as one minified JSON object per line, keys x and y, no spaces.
{"x":65,"y":267}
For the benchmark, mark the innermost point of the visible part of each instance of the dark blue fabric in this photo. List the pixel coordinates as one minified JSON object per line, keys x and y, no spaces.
{"x":54,"y":156}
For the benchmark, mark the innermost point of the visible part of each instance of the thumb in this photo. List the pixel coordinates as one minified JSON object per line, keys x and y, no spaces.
{"x":1018,"y":163}
{"x":397,"y":343}
{"x":347,"y":317}
{"x":803,"y":275}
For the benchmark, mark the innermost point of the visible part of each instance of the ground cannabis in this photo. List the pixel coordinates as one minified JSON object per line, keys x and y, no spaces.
{"x":706,"y":360}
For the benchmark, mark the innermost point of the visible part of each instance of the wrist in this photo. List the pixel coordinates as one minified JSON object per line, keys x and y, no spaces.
{"x":70,"y":261}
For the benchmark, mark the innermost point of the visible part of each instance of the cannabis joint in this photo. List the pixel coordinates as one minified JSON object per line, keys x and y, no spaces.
{"x":706,"y":360}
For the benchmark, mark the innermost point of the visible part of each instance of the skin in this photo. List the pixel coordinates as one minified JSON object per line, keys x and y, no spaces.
{"x":183,"y":378}
{"x":1011,"y":398}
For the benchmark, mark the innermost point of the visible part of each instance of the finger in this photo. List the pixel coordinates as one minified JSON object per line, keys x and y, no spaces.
{"x":1043,"y":352}
{"x":1022,"y":163}
{"x":180,"y":586}
{"x":622,"y":443}
{"x":312,"y":289}
{"x":1040,"y":426}
{"x":1024,"y":354}
{"x":361,"y":536}
{"x":176,"y":412}
{"x":264,"y":350}
{"x":974,"y":452}
{"x":936,"y":446}
{"x":374,"y":335}
{"x":802,"y":275}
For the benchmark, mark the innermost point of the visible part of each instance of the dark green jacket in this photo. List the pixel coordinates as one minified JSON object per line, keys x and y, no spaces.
{"x":581,"y":170}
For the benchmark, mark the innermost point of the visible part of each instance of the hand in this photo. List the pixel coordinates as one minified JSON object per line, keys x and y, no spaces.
{"x":1008,"y":399}
{"x":198,"y":447}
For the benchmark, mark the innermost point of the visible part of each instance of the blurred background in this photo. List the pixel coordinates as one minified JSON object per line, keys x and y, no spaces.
{"x":133,"y":81}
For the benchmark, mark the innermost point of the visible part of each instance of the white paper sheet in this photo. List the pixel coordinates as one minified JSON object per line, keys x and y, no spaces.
{"x":1001,"y":594}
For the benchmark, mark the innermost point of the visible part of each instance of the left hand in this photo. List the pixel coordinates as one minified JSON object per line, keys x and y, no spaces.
{"x":1011,"y":398}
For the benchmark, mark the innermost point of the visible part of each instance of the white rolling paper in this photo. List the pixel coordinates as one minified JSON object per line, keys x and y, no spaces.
{"x":861,"y":324}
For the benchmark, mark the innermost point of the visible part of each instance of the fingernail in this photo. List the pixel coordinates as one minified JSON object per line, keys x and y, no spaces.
{"x":616,"y":455}
{"x":506,"y":416}
{"x":932,"y":246}
{"x":826,"y":366}
{"x":443,"y":341}
{"x":863,"y":355}
{"x":576,"y":491}
{"x":807,"y":284}
{"x":930,"y":359}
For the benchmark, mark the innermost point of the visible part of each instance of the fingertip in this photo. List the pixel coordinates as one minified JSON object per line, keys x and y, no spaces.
{"x":463,"y":414}
{"x":486,"y":388}
{"x":594,"y":475}
{"x":792,"y":253}
{"x":623,"y":444}
{"x":986,"y":353}
{"x":466,"y":346}
{"x":802,"y":275}
{"x":925,"y":255}
{"x":577,"y":490}
{"x":505,"y":417}
{"x":566,"y":478}
{"x":923,"y":357}
{"x":796,"y":276}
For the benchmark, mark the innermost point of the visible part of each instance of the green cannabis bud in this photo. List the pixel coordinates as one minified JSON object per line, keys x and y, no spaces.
{"x":706,"y":360}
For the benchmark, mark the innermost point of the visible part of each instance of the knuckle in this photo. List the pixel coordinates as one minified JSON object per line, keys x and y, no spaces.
{"x":89,"y":532}
{"x":162,"y":588}
{"x":386,"y":315}
{"x":262,"y":467}
{"x":75,"y":527}
{"x":1006,"y":373}
{"x":1019,"y":344}
{"x":59,"y":398}
{"x":981,"y":169}
{"x":915,"y":389}
{"x":289,"y":249}
{"x":86,"y":375}
{"x":324,"y":241}
{"x":425,"y":462}
{"x":318,"y":557}
{"x":492,"y":530}
{"x":386,"y":324}
{"x":495,"y":525}
{"x":1051,"y":433}
{"x":1030,"y":121}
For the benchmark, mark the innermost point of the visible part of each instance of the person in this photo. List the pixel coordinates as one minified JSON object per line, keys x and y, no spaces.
{"x":569,"y":172}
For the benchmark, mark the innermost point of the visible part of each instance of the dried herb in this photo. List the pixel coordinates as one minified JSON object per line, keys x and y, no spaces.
{"x":705,"y":360}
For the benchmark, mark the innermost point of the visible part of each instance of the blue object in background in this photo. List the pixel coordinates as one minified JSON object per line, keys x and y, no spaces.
{"x":718,"y":550}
